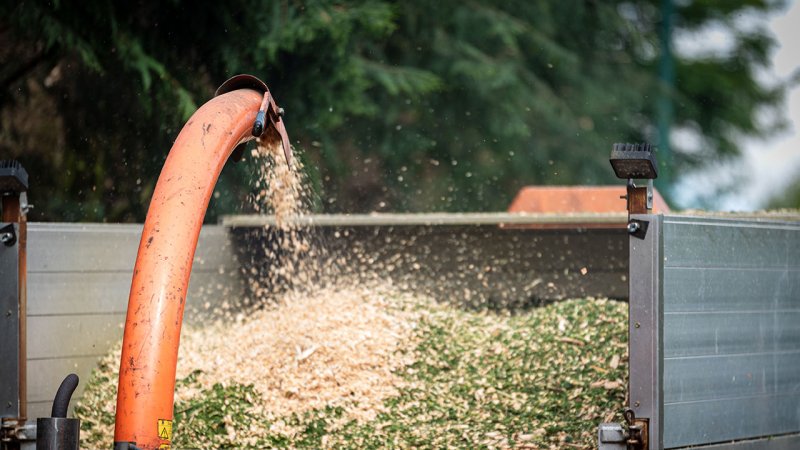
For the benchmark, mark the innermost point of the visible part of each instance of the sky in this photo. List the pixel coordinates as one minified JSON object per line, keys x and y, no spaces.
{"x":766,"y":166}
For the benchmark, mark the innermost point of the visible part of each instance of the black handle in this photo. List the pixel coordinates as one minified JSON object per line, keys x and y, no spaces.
{"x":260,"y":123}
{"x":63,"y":396}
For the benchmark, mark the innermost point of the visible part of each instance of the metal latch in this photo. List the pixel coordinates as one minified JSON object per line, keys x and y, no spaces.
{"x":637,"y":431}
{"x":631,"y":436}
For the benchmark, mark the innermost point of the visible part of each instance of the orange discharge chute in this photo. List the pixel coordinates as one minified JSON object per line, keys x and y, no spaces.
{"x":164,"y":262}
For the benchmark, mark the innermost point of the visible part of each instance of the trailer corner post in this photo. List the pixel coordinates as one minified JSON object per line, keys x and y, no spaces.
{"x":645,"y":329}
{"x":14,"y":427}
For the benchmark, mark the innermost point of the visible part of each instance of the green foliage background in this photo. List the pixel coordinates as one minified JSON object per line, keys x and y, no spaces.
{"x":789,"y":198}
{"x":403,"y":106}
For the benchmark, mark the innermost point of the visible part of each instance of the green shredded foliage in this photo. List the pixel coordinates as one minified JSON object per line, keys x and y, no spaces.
{"x":544,"y":378}
{"x":209,"y":416}
{"x":98,"y":403}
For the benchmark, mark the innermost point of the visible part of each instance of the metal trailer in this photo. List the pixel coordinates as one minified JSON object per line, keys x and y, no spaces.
{"x":714,"y":303}
{"x":79,"y":274}
{"x":714,"y":334}
{"x":714,"y":308}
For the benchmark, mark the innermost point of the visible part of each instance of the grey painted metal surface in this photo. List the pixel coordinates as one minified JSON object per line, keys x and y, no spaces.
{"x":645,"y":327}
{"x":79,"y":278}
{"x":9,"y":328}
{"x":731,"y":321}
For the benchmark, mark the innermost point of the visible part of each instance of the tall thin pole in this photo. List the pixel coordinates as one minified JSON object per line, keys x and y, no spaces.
{"x":664,"y":106}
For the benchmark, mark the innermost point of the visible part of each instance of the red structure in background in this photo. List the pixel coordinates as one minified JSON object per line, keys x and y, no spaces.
{"x":578,"y":200}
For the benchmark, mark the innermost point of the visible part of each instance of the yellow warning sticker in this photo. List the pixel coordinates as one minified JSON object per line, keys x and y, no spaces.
{"x":165,"y":430}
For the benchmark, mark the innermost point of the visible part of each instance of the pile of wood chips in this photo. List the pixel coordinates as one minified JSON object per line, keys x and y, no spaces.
{"x":333,"y":348}
{"x":337,"y":347}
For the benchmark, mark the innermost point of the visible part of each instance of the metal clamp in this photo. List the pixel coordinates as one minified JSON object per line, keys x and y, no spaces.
{"x":270,"y":114}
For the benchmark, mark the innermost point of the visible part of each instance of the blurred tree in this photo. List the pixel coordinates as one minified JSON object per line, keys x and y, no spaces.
{"x":789,"y":197}
{"x":414,"y":105}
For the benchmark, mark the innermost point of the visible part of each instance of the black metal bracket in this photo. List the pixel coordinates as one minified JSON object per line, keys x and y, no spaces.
{"x":8,"y":236}
{"x":638,"y":228}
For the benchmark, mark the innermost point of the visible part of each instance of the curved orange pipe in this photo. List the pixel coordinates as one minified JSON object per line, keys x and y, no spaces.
{"x":164,"y":263}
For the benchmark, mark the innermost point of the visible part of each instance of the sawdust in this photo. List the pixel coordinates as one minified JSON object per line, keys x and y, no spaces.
{"x":335,"y":347}
{"x":281,"y":189}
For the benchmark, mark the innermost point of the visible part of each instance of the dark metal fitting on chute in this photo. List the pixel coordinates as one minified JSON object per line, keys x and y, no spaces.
{"x":269,"y":113}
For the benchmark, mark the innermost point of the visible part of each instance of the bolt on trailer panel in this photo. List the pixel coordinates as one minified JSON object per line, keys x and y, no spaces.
{"x":725,"y":354}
